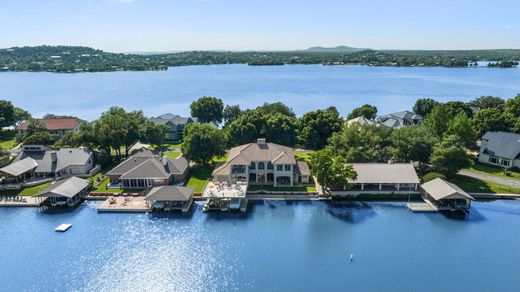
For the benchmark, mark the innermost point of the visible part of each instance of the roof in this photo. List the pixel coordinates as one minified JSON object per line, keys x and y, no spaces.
{"x":247,"y":153}
{"x":386,"y":173}
{"x":20,"y":167}
{"x":406,"y":115}
{"x":360,"y":120}
{"x":65,"y":157}
{"x":440,"y":189}
{"x":169,"y":193}
{"x":146,"y":165}
{"x":502,"y":144}
{"x":174,"y":119}
{"x":55,"y":124}
{"x":65,"y":188}
{"x":302,"y":168}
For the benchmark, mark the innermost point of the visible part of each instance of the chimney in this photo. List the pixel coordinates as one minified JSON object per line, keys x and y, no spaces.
{"x":164,"y":161}
{"x":261,"y":141}
{"x":54,"y":156}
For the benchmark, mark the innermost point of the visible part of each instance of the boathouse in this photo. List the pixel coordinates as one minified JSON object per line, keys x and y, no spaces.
{"x":64,"y":193}
{"x":445,"y":195}
{"x":383,"y":178}
{"x":170,"y":198}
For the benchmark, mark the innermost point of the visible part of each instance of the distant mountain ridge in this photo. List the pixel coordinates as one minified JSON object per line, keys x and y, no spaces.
{"x":336,"y":49}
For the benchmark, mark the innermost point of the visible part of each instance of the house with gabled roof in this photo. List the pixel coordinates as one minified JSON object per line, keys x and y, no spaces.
{"x":146,"y":169}
{"x":500,"y":149}
{"x":400,"y":119}
{"x":56,"y":127}
{"x":262,"y":163}
{"x":175,"y":125}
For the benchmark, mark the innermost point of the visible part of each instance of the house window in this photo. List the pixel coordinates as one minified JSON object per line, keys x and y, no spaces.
{"x":279,"y":167}
{"x":505,"y":162}
{"x":269,"y":166}
{"x":252,"y":165}
{"x":261,"y":165}
{"x":287,"y":167}
{"x":493,"y":159}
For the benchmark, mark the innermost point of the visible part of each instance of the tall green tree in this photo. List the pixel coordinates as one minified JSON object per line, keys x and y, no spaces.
{"x":316,"y":127}
{"x":11,"y":115}
{"x":359,"y":143}
{"x":490,"y":119}
{"x":512,"y":112}
{"x":276,"y":107}
{"x":461,"y":126}
{"x":413,"y":143}
{"x":424,"y":106}
{"x":437,"y":121}
{"x":38,"y":138}
{"x":455,"y":107}
{"x":366,"y":110}
{"x":231,"y":113}
{"x":331,"y":170}
{"x":487,"y":102}
{"x":208,"y":109}
{"x":281,"y":129}
{"x":201,"y":143}
{"x":449,"y":156}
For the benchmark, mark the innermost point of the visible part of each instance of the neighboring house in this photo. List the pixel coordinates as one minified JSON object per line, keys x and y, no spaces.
{"x":175,"y":124}
{"x":41,"y":161}
{"x":65,"y":193}
{"x":400,"y":119}
{"x":56,"y":127}
{"x":384,"y":178}
{"x":145,"y":169}
{"x":500,"y":149}
{"x":361,"y":120}
{"x":263,"y":162}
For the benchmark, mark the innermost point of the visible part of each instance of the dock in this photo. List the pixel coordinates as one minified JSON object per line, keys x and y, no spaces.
{"x":19,"y":201}
{"x":63,"y":227}
{"x":422,"y":207}
{"x":124,"y":204}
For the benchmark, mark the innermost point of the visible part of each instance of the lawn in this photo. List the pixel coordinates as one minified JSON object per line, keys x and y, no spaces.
{"x":197,"y":178}
{"x":103,"y":186}
{"x":7,"y":140}
{"x":303,"y":155}
{"x":31,"y":191}
{"x":171,"y":154}
{"x":472,"y":185}
{"x":494,"y":171}
{"x":282,"y":189}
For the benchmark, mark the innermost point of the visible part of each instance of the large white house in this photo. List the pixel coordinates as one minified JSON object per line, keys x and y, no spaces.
{"x":500,"y":149}
{"x":263,"y":162}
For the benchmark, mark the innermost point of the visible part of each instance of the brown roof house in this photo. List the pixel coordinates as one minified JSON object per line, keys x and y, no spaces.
{"x":263,"y":162}
{"x":56,"y":127}
{"x":145,"y":169}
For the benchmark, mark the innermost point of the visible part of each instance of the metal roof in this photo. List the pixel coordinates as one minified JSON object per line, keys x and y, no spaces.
{"x":386,"y":173}
{"x":440,"y":189}
{"x":169,"y":193}
{"x":65,"y":188}
{"x":20,"y":167}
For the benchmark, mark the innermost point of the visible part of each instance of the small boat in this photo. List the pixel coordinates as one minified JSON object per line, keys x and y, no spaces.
{"x":351,"y":257}
{"x":63,"y":227}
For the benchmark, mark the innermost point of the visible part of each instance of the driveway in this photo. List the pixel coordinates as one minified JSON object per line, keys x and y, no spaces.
{"x":490,"y":178}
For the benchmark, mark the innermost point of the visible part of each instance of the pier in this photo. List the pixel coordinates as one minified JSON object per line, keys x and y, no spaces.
{"x":124,"y":204}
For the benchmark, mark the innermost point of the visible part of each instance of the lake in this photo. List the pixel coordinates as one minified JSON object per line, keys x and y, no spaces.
{"x":303,"y":87}
{"x":276,"y":246}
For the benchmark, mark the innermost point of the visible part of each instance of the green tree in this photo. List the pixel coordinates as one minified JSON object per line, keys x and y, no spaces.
{"x":331,"y":170}
{"x":276,"y":107}
{"x":490,"y":119}
{"x":281,"y":129}
{"x":316,"y":127}
{"x":231,"y":113}
{"x":437,"y":121}
{"x":449,"y":156}
{"x":366,"y":110}
{"x":461,"y":126}
{"x":359,"y":143}
{"x":38,"y":138}
{"x":512,"y":113}
{"x":208,"y":109}
{"x":69,"y":139}
{"x":413,"y":143}
{"x":34,"y":126}
{"x":455,"y":107}
{"x":424,"y":106}
{"x":154,"y":134}
{"x":246,"y":129}
{"x":486,"y":102}
{"x":201,"y":143}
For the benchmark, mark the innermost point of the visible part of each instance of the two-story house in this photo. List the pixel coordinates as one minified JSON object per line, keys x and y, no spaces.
{"x":263,"y":163}
{"x":400,"y":119}
{"x":175,"y":125}
{"x":500,"y":149}
{"x":56,"y":127}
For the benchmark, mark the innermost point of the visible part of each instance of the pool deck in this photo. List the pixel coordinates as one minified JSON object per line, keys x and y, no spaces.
{"x":125,"y":204}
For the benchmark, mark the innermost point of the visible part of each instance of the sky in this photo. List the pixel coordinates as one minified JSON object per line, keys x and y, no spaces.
{"x":176,"y":25}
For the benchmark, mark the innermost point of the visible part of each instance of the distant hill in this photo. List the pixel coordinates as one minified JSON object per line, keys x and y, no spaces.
{"x":337,"y":49}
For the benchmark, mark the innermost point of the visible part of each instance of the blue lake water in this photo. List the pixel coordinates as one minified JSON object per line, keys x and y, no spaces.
{"x":277,"y":246}
{"x":304,"y":87}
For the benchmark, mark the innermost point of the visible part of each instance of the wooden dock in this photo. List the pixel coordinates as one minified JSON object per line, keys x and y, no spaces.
{"x":19,"y":202}
{"x":426,"y":207}
{"x":125,"y":204}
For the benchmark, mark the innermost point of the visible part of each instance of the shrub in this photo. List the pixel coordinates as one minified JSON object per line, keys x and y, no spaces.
{"x":433,"y":175}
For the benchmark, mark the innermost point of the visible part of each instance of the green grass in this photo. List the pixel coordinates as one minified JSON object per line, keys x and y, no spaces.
{"x":103,"y":187}
{"x":30,"y":191}
{"x":303,"y":155}
{"x":7,"y":140}
{"x":282,"y":189}
{"x":166,"y":147}
{"x":472,"y":185}
{"x":197,"y":178}
{"x":171,"y":154}
{"x":494,"y":171}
